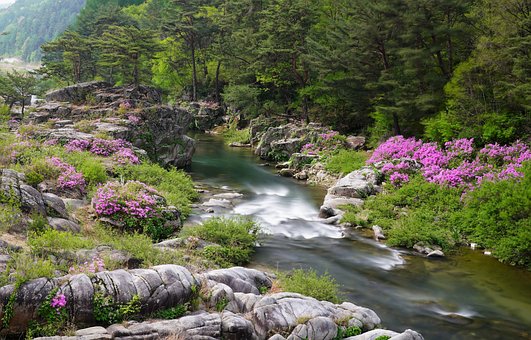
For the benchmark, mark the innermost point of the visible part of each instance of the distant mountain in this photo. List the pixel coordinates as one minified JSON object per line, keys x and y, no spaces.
{"x":27,"y":24}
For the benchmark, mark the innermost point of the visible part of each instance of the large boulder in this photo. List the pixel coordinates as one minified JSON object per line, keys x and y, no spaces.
{"x":77,"y":93}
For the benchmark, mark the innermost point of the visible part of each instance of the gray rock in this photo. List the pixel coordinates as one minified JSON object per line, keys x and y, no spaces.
{"x":239,"y":279}
{"x":76,"y":93}
{"x":55,"y":206}
{"x":372,"y":335}
{"x":322,"y":328}
{"x":355,"y":142}
{"x":436,"y":253}
{"x":277,"y":337}
{"x":357,"y":184}
{"x":62,"y":224}
{"x":236,"y":327}
{"x":223,"y":203}
{"x":378,"y":232}
{"x":91,"y":331}
{"x":228,"y":195}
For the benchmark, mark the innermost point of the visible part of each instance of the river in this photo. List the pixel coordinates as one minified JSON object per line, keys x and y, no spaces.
{"x":466,"y":295}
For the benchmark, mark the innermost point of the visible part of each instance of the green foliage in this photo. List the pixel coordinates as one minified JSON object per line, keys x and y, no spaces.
{"x":9,"y":216}
{"x":51,"y":240}
{"x":28,"y":267}
{"x":93,"y":170}
{"x":39,"y":170}
{"x":309,"y":283}
{"x":383,"y":337}
{"x":171,"y":313}
{"x":107,"y":311}
{"x":497,"y":215}
{"x":235,"y":239}
{"x":233,"y":135}
{"x":346,"y":161}
{"x":346,"y":332}
{"x":417,"y":212}
{"x":243,"y":98}
{"x":38,"y":223}
{"x":221,"y":304}
{"x":175,"y":185}
{"x":52,"y":319}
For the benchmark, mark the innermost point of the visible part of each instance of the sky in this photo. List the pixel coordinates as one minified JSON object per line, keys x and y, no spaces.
{"x":4,"y":2}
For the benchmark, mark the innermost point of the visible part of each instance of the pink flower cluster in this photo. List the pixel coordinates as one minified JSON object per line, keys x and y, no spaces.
{"x":94,"y":266}
{"x":120,"y":149}
{"x":69,"y":178}
{"x":133,"y":119}
{"x":58,"y":302}
{"x":134,"y":199}
{"x":455,"y":165}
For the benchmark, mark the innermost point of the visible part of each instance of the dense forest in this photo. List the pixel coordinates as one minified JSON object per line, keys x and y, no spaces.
{"x":438,"y":69}
{"x":27,"y":24}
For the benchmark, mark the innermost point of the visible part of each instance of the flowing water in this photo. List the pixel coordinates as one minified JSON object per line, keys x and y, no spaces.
{"x":465,"y":296}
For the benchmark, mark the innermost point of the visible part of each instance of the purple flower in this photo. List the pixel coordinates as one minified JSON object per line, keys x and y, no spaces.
{"x":59,"y":301}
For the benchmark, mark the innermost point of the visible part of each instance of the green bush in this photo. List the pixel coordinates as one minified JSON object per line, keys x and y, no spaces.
{"x":93,"y":171}
{"x":235,"y":239}
{"x":175,"y":185}
{"x":417,"y":212}
{"x":171,"y":313}
{"x":233,"y":135}
{"x":40,"y":170}
{"x":28,"y":267}
{"x":346,"y":161}
{"x":309,"y":283}
{"x":497,"y":215}
{"x":9,"y":216}
{"x":51,"y":240}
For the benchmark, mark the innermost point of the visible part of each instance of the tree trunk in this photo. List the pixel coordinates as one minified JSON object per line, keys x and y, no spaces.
{"x":218,"y":99}
{"x":396,"y":125}
{"x":194,"y":71}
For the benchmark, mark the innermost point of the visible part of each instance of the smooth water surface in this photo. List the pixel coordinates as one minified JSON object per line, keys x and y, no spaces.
{"x":464,"y":296}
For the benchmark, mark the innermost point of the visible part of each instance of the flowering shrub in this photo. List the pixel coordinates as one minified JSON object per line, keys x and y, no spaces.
{"x":455,"y":165}
{"x":53,"y":316}
{"x":58,"y":302}
{"x":94,"y":266}
{"x":133,"y":119}
{"x":69,"y":177}
{"x":120,"y":149}
{"x":133,"y":205}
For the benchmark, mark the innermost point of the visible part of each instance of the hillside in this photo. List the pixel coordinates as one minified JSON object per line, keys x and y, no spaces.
{"x":27,"y":24}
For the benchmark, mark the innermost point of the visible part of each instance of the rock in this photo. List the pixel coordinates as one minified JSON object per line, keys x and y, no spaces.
{"x":282,"y":165}
{"x":77,"y":93}
{"x":357,"y":184}
{"x":239,"y":279}
{"x":287,"y":172}
{"x":12,"y":185}
{"x":317,"y":328}
{"x":332,"y":203}
{"x":277,"y":337}
{"x":239,"y":145}
{"x":206,"y":115}
{"x":223,"y":203}
{"x":63,"y":225}
{"x":55,"y":206}
{"x":236,"y":327}
{"x":372,"y":335}
{"x":486,"y":252}
{"x":299,"y":160}
{"x":355,"y":142}
{"x":436,"y":253}
{"x":228,"y":195}
{"x":378,"y":232}
{"x":91,"y":331}
{"x":301,"y":176}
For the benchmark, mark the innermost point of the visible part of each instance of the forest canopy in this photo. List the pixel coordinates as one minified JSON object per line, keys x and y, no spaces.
{"x":435,"y":69}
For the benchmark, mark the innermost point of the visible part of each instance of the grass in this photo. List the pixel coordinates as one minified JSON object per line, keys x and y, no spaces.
{"x":346,"y":161}
{"x":310,"y":283}
{"x":233,"y":135}
{"x":175,"y":185}
{"x":235,"y":239}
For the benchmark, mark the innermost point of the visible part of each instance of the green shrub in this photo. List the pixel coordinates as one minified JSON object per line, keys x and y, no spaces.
{"x":171,"y":313}
{"x":383,"y":337}
{"x":107,"y":311}
{"x":346,"y":332}
{"x":309,"y":283}
{"x":346,"y":161}
{"x":175,"y":185}
{"x":9,"y":216}
{"x":497,"y":215}
{"x":40,"y":170}
{"x":53,"y":240}
{"x":93,"y":171}
{"x":38,"y":223}
{"x":28,"y":267}
{"x":235,"y":239}
{"x":233,"y":135}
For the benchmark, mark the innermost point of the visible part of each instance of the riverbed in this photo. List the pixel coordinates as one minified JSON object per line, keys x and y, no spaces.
{"x":466,"y":295}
